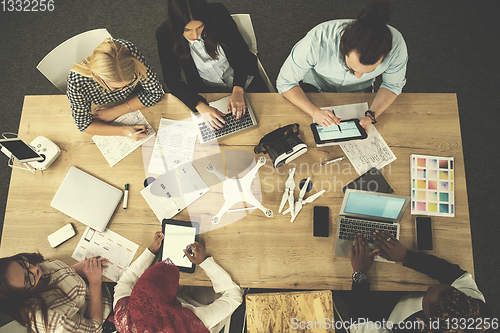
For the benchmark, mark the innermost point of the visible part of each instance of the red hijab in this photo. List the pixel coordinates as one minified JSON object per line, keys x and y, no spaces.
{"x":153,"y":307}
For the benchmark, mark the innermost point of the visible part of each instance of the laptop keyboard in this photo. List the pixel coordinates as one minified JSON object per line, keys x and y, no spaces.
{"x":232,"y":125}
{"x":349,"y":228}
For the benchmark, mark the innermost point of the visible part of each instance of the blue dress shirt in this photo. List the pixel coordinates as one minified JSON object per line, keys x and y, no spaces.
{"x":316,"y":60}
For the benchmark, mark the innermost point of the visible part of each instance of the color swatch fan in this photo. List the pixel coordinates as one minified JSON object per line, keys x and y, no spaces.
{"x":432,"y":185}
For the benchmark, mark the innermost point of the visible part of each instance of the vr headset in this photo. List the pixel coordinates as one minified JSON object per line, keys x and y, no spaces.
{"x":283,"y":145}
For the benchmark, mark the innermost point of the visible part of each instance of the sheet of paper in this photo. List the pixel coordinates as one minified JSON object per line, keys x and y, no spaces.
{"x":117,"y":249}
{"x":115,"y":148}
{"x":368,"y":153}
{"x":174,"y":145}
{"x":432,"y":185}
{"x":174,"y":190}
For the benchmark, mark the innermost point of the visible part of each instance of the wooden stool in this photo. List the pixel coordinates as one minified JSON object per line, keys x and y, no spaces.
{"x":303,"y":311}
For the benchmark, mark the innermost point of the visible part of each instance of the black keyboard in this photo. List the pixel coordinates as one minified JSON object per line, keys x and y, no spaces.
{"x":349,"y":228}
{"x":232,"y":125}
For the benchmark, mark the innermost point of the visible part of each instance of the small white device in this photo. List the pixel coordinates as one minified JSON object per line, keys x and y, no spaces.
{"x":61,"y":235}
{"x":47,"y":149}
{"x":19,"y":150}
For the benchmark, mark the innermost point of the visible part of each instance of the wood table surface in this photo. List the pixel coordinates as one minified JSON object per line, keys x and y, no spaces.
{"x":255,"y":250}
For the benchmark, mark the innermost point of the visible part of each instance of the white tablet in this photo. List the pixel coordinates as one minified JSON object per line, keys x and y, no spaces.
{"x":178,"y":235}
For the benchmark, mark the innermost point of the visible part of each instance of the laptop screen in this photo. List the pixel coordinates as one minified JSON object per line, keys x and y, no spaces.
{"x":374,"y":205}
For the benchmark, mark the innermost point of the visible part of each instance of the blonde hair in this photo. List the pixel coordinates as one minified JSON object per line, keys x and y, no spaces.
{"x":112,"y":62}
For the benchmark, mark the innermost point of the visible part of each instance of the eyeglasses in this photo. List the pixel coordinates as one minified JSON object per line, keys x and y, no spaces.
{"x":29,"y":279}
{"x":121,"y":88}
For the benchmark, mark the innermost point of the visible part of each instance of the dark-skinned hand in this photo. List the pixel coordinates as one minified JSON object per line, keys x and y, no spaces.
{"x":361,"y":256}
{"x":390,"y":248}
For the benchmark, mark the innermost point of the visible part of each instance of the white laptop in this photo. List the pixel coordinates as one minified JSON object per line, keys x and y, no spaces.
{"x":232,"y":126}
{"x":364,"y":212}
{"x":86,"y":199}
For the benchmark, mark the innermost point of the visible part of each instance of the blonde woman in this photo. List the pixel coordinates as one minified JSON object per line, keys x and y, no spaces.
{"x":116,"y":71}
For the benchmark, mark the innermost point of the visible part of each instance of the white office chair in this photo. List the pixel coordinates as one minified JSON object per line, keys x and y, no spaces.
{"x":245,"y":26}
{"x":56,"y":65}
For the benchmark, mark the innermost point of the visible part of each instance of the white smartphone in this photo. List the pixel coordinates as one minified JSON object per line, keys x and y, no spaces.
{"x":61,"y":235}
{"x":20,"y":150}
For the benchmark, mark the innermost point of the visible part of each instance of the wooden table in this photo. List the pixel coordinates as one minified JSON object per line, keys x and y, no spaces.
{"x":256,"y":251}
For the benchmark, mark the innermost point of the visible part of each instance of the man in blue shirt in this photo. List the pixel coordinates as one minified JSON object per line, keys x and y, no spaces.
{"x":347,"y":56}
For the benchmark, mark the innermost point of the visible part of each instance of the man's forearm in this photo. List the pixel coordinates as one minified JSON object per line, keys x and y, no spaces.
{"x":383,"y":99}
{"x":298,"y":98}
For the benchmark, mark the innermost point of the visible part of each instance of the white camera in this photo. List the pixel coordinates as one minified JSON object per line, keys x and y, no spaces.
{"x":47,"y":149}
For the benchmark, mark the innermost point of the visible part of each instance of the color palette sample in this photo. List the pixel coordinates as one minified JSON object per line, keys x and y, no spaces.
{"x":432,"y":185}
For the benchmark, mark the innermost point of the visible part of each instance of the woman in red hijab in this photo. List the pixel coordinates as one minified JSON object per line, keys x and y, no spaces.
{"x":148,"y":300}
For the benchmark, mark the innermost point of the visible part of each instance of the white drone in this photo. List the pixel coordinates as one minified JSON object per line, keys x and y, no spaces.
{"x":238,"y":189}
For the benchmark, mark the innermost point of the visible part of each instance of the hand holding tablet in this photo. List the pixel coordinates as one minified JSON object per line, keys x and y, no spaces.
{"x":156,"y":244}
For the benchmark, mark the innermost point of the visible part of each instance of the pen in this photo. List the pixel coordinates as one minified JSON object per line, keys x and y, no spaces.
{"x":138,"y":132}
{"x":125,"y":198}
{"x":338,"y":126}
{"x":332,"y":161}
{"x":189,"y":248}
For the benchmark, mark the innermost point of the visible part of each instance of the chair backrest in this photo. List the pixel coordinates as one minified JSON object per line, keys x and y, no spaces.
{"x":245,"y":26}
{"x":56,"y":65}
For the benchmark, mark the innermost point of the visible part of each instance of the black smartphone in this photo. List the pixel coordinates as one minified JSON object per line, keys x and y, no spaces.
{"x":424,"y":233}
{"x":321,"y":221}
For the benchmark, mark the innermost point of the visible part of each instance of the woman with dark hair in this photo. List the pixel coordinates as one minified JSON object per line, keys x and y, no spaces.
{"x":347,"y":56}
{"x":203,"y":41}
{"x":50,"y":296}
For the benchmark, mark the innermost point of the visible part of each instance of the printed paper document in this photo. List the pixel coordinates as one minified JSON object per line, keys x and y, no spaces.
{"x":174,"y":145}
{"x":115,"y":148}
{"x":117,"y":249}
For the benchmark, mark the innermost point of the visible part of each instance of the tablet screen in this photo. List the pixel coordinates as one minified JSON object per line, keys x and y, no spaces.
{"x":176,"y":239}
{"x":349,"y":130}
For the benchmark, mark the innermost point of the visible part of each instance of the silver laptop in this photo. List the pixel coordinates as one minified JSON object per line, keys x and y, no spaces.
{"x":206,"y":133}
{"x":364,"y":212}
{"x":86,"y":199}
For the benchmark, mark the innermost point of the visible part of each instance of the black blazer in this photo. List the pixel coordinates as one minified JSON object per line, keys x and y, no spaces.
{"x":243,"y":62}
